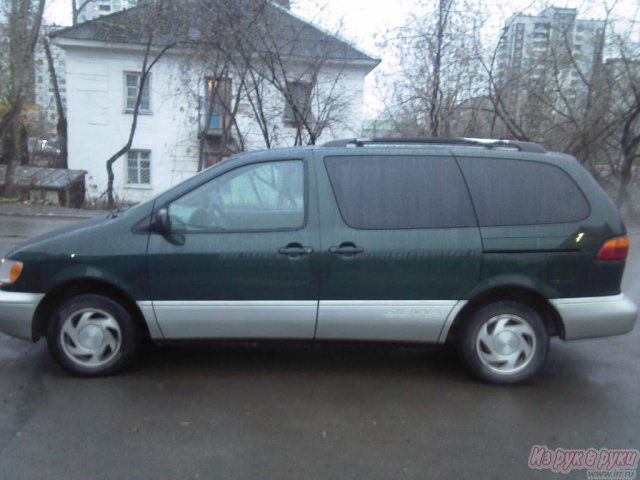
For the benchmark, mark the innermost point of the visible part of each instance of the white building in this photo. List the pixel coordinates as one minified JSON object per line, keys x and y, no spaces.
{"x":43,"y":87}
{"x":97,"y":8}
{"x":553,"y":46}
{"x":184,"y":123}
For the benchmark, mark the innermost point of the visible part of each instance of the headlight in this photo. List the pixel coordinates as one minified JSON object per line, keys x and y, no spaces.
{"x":10,"y":271}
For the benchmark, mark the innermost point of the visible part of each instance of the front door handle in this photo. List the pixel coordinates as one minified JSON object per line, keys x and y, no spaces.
{"x":295,"y":250}
{"x":347,"y":249}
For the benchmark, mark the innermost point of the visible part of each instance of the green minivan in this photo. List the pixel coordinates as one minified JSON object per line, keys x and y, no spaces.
{"x":494,"y":246}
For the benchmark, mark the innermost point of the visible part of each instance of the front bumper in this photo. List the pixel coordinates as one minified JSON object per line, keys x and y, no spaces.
{"x":590,"y":317}
{"x":16,"y":313}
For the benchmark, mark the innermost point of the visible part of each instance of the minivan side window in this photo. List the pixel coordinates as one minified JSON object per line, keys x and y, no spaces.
{"x":517,"y":192}
{"x":400,"y":192}
{"x":260,"y":197}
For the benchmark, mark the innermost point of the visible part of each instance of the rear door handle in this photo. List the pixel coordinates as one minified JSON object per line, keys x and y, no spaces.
{"x":347,"y":249}
{"x":295,"y":250}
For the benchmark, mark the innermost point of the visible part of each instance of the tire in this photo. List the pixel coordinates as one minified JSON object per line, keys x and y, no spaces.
{"x":92,"y":336}
{"x":504,"y":343}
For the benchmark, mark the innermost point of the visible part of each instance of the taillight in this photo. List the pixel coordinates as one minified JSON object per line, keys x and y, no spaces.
{"x":615,"y":249}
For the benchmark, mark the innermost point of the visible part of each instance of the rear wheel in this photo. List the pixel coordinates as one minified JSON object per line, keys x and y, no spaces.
{"x":92,"y":335}
{"x":504,"y":342}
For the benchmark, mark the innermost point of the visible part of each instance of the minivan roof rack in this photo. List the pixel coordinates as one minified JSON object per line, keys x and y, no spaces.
{"x":452,"y":141}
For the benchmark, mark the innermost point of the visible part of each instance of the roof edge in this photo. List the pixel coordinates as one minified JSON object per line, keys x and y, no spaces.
{"x":62,"y":33}
{"x":100,"y":18}
{"x":326,"y":31}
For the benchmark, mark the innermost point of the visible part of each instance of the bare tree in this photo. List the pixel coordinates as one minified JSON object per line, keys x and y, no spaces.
{"x":314,"y":101}
{"x":24,"y":20}
{"x":208,"y":58}
{"x":285,"y":74}
{"x":437,"y":70}
{"x":573,"y":86}
{"x":61,"y":124}
{"x":554,"y":91}
{"x":574,"y":102}
{"x":623,"y":71}
{"x":437,"y":51}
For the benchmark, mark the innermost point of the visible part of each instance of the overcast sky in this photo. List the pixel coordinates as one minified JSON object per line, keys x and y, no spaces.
{"x":364,"y":20}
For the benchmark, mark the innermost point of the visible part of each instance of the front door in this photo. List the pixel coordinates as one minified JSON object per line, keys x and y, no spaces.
{"x":238,"y":261}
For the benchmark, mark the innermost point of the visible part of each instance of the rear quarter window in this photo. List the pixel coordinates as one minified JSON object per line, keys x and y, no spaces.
{"x":516,"y":192}
{"x":400,"y":192}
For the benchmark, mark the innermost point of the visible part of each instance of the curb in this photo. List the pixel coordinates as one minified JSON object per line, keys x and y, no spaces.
{"x":26,"y":210}
{"x":49,"y":215}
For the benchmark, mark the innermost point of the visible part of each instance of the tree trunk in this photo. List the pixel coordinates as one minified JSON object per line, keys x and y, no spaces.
{"x":61,"y":124}
{"x":444,"y":8}
{"x":630,"y":143}
{"x":625,"y":179}
{"x":24,"y":20}
{"x":14,"y":156}
{"x":7,"y":119}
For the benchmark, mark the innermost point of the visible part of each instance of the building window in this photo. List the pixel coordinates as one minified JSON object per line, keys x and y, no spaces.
{"x":218,"y":94}
{"x":297,"y":102}
{"x":132,"y":86}
{"x":139,"y":167}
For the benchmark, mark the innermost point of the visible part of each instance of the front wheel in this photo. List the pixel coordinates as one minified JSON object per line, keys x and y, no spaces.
{"x":504,"y":342}
{"x":91,"y":336}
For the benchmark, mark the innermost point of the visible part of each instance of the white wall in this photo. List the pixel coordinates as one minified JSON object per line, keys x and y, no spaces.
{"x":99,"y":126}
{"x":92,"y":10}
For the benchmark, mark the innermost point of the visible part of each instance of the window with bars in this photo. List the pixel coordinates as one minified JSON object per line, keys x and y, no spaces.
{"x":131,"y":88}
{"x":297,"y":102}
{"x":139,"y":167}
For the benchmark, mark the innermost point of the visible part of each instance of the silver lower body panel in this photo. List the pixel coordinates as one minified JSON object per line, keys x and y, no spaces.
{"x":385,"y":320}
{"x":16,"y":313}
{"x":235,"y":319}
{"x":590,"y":317}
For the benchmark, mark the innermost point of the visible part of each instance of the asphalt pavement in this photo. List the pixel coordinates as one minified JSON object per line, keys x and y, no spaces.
{"x":307,"y":411}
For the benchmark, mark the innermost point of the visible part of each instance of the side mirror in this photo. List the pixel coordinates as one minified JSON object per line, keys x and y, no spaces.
{"x":161,"y":221}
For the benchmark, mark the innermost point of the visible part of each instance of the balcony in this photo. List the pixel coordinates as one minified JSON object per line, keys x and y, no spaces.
{"x":216,"y":125}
